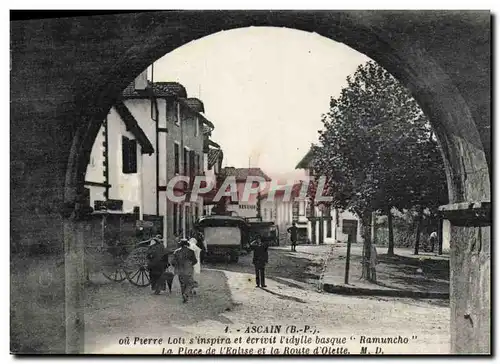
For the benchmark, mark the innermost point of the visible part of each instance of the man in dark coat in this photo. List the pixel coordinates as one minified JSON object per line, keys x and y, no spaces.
{"x":260,"y":259}
{"x":157,"y":258}
{"x":183,"y":261}
{"x":293,"y":236}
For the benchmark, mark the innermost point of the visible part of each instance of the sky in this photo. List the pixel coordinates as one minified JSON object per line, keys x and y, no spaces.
{"x":265,"y":89}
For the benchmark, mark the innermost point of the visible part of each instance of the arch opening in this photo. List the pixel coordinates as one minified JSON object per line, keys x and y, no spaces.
{"x":445,"y":67}
{"x":465,"y":161}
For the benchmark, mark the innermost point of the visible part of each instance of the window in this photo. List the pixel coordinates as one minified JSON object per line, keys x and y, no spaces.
{"x":186,"y":160}
{"x":129,"y":155}
{"x":197,"y":126}
{"x":329,"y":228}
{"x":198,"y":164}
{"x":181,"y":219}
{"x":192,"y":170}
{"x":328,"y":214}
{"x":178,"y":116}
{"x":177,"y":156}
{"x":175,"y":218}
{"x":302,"y":208}
{"x":189,"y":219}
{"x":295,"y":210}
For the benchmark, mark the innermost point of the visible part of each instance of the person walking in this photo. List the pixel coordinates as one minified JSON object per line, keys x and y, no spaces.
{"x":196,"y":247}
{"x":293,"y":236}
{"x":260,"y":259}
{"x":433,"y":240}
{"x":183,"y":261}
{"x":157,"y":261}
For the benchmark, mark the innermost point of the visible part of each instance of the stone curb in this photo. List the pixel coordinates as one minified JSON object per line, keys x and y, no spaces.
{"x":332,"y":288}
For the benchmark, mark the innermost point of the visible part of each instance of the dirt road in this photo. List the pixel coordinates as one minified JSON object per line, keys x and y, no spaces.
{"x":229,"y":302}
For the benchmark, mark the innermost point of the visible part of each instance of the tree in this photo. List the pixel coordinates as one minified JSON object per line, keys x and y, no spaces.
{"x":378,"y":150}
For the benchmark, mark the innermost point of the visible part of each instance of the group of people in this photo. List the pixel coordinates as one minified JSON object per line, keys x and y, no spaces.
{"x":185,"y":263}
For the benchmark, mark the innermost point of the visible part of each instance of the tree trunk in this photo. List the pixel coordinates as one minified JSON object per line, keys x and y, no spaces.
{"x":419,"y":226}
{"x":367,"y":222}
{"x":390,"y":249}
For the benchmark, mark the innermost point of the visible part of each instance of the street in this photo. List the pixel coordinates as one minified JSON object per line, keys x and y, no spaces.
{"x":228,"y":301}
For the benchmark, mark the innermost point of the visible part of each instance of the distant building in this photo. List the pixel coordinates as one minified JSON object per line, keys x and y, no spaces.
{"x":212,"y":169}
{"x":153,"y":133}
{"x":284,"y":211}
{"x":244,"y":208}
{"x":324,"y":224}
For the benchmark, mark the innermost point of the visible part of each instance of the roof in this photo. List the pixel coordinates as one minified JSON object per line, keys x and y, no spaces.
{"x":207,"y":124}
{"x":195,"y":104}
{"x":214,"y":155}
{"x":207,"y":130}
{"x":222,"y":220}
{"x":170,"y":89}
{"x":207,"y":143}
{"x":305,"y":162}
{"x":296,"y":189}
{"x":241,"y":174}
{"x":213,"y":144}
{"x":134,"y":128}
{"x":157,"y":89}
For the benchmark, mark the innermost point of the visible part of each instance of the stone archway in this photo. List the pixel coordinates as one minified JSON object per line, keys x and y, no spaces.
{"x":74,"y":69}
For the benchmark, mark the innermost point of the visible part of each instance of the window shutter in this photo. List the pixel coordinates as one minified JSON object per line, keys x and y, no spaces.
{"x":191,"y":163}
{"x":186,"y":161}
{"x":129,"y":155}
{"x":175,"y":218}
{"x":177,"y":157}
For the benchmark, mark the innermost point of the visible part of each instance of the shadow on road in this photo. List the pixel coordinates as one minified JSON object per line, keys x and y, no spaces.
{"x":282,"y":264}
{"x":415,"y":273}
{"x":284,"y":297}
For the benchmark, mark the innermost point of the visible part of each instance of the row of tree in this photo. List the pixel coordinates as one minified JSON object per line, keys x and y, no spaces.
{"x":379,"y":152}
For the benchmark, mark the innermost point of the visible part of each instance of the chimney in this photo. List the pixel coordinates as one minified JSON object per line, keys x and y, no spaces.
{"x":141,"y":81}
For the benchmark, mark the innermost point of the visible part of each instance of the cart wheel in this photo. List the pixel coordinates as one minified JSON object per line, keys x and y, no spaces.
{"x":135,"y":267}
{"x":118,"y":275}
{"x":140,"y":277}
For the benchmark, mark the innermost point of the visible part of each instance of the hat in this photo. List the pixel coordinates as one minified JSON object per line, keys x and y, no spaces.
{"x":183,"y":242}
{"x":156,"y":239}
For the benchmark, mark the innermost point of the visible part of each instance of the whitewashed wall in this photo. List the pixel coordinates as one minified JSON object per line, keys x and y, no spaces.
{"x":446,"y":235}
{"x":95,"y":168}
{"x":141,"y":110}
{"x":126,"y":187}
{"x":123,"y":186}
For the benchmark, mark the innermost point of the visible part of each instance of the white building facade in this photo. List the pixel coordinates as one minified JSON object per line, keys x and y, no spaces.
{"x":153,"y":133}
